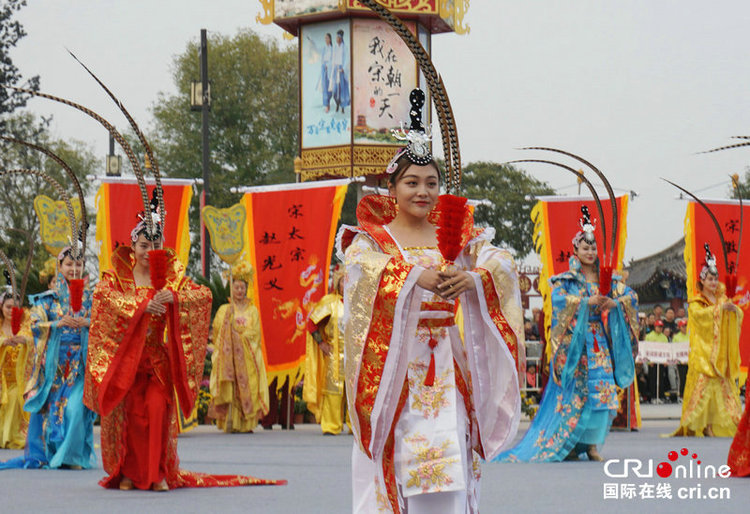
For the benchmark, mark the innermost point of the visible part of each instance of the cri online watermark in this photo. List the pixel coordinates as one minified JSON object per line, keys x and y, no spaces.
{"x":689,"y":467}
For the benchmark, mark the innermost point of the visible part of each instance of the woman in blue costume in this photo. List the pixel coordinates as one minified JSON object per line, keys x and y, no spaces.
{"x":588,"y":329}
{"x":60,"y":428}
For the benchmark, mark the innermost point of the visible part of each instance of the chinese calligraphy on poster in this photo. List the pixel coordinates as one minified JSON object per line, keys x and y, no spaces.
{"x":384,"y":74}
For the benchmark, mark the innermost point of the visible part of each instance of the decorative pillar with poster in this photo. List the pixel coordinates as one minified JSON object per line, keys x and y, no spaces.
{"x":355,"y":77}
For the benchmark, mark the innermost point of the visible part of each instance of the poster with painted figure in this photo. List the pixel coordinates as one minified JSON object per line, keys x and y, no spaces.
{"x":326,"y":84}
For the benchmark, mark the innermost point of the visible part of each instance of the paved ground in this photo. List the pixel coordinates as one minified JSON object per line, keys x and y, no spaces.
{"x":318,"y":471}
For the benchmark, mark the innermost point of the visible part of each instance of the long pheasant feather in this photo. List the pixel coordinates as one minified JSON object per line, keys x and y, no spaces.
{"x":60,"y":191}
{"x":608,"y":187}
{"x":138,"y":132}
{"x":11,"y":272}
{"x":729,"y":147}
{"x":713,"y":218}
{"x":49,"y":153}
{"x":115,"y":134}
{"x":589,"y":185}
{"x":451,"y":151}
{"x":742,"y":216}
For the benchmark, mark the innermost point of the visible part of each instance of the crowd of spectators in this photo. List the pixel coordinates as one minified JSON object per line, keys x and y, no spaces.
{"x":660,"y":383}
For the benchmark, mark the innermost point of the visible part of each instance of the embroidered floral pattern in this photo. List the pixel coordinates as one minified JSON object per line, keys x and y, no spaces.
{"x":606,"y":392}
{"x":430,"y":462}
{"x":428,"y":400}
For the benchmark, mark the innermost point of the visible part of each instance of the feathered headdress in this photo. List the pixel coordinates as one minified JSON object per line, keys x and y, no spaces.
{"x":10,"y":277}
{"x":710,"y":265}
{"x":587,"y":229}
{"x":135,"y":164}
{"x":731,"y":279}
{"x":417,"y":149}
{"x":609,"y":253}
{"x":156,"y":219}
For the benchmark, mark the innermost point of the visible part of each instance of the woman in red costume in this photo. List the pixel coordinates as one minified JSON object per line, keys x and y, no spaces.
{"x":739,"y":452}
{"x":133,"y":371}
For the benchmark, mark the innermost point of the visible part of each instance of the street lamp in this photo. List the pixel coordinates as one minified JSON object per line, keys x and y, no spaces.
{"x":196,"y":96}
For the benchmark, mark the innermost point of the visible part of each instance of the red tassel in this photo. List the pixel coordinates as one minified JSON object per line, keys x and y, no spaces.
{"x":605,"y":280}
{"x":429,"y":379}
{"x":157,"y":267}
{"x":452,"y":211}
{"x":15,"y":320}
{"x":596,"y":346}
{"x":75,"y":286}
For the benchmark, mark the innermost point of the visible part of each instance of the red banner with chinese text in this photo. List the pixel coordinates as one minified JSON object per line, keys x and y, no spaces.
{"x":291,"y":230}
{"x":699,"y":229}
{"x":118,"y":203}
{"x":556,"y":222}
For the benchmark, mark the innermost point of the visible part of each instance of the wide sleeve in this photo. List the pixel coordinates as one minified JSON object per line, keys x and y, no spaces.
{"x":217,"y":356}
{"x":378,"y":291}
{"x":714,"y":339}
{"x":493,"y":343}
{"x":20,"y":353}
{"x":623,"y":333}
{"x":116,"y":338}
{"x":499,"y":285}
{"x":569,"y":320}
{"x":730,"y":329}
{"x":41,"y":328}
{"x":251,"y":330}
{"x":189,"y":324}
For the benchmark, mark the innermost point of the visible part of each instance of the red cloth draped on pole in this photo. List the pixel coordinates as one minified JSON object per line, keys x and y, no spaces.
{"x":699,"y":229}
{"x":291,"y":229}
{"x":119,"y":200}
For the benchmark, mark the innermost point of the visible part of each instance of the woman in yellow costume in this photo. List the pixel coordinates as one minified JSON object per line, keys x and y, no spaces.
{"x":238,"y":374}
{"x":13,"y":352}
{"x":711,"y":405}
{"x":324,"y":362}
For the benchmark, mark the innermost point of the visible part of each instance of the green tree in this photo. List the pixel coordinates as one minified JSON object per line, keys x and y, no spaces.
{"x":11,"y":31}
{"x":253,"y":118}
{"x":253,"y":123}
{"x":512,"y":193}
{"x":744,"y":186}
{"x":19,"y":230}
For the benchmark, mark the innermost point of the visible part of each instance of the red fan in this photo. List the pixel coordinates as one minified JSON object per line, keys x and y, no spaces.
{"x":157,"y":266}
{"x":15,"y":320}
{"x":76,"y":294}
{"x":452,"y":211}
